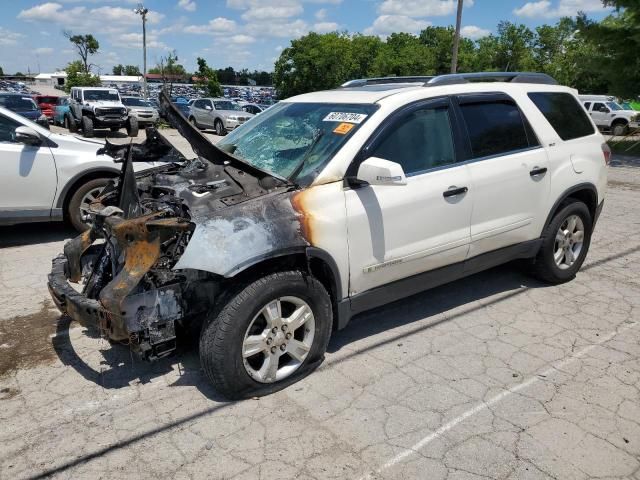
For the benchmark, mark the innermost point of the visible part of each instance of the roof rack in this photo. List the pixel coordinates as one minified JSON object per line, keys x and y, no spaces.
{"x":513,"y":77}
{"x":362,"y":82}
{"x":456,"y":78}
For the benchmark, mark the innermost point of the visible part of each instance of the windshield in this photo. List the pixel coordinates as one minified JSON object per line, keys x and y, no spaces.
{"x":135,"y":102}
{"x":105,"y":95}
{"x":225,"y":105}
{"x":296,"y":140}
{"x":614,"y":106}
{"x":17,"y":103}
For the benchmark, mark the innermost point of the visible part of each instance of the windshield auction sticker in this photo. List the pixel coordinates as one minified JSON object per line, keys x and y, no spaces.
{"x":345,"y":117}
{"x":343,"y":128}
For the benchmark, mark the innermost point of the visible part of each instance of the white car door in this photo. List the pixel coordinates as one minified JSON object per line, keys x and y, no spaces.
{"x":28,"y":180}
{"x":601,"y":114}
{"x":395,"y":231}
{"x":509,"y":174}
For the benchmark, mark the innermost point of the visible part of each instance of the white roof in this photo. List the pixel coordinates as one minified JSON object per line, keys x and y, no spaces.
{"x":47,"y":76}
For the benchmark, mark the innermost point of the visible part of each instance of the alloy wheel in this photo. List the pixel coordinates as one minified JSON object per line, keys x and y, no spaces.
{"x":90,"y":197}
{"x":278,"y":339}
{"x":568,"y":242}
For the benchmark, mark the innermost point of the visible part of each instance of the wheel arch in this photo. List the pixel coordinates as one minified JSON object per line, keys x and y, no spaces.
{"x":79,"y":179}
{"x":314,"y":261}
{"x":585,"y":192}
{"x":620,"y":121}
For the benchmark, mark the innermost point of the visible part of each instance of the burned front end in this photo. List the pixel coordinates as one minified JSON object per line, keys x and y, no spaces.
{"x":164,"y":242}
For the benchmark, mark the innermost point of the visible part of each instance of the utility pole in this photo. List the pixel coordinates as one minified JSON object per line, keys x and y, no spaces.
{"x":142,"y":11}
{"x":456,"y":39}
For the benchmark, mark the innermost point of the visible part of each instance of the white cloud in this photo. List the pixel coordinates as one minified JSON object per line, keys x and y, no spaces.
{"x":563,"y":8}
{"x":43,"y":51}
{"x":217,"y":26}
{"x":473,"y":32}
{"x":271,"y":12}
{"x":134,"y":40}
{"x":420,"y":8}
{"x":387,"y":24}
{"x":241,"y":39}
{"x":82,"y":17}
{"x":7,"y":37}
{"x":188,"y":5}
{"x":321,"y":14}
{"x":324,"y":27}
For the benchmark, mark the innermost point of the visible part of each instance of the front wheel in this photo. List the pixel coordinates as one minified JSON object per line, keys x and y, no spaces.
{"x":619,"y":129}
{"x":565,"y":244}
{"x":219,"y":127}
{"x":268,"y":336}
{"x":78,"y":209}
{"x":87,"y":127}
{"x":132,"y":127}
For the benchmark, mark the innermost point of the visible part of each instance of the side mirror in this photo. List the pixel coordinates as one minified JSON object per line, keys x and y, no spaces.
{"x":378,"y":171}
{"x":208,"y":107}
{"x":28,"y":136}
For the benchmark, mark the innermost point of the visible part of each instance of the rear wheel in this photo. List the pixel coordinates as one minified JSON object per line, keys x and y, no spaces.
{"x":268,"y":336}
{"x":565,"y":244}
{"x":78,"y":209}
{"x":87,"y":127}
{"x":193,"y":122}
{"x":619,"y":129}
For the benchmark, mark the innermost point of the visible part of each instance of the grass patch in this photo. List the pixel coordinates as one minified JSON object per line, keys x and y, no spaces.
{"x":625,"y":147}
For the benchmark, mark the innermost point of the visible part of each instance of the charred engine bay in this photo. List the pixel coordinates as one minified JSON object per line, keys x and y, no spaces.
{"x":142,"y":225}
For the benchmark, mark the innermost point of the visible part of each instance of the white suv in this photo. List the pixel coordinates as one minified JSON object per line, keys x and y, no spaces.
{"x":332,"y":203}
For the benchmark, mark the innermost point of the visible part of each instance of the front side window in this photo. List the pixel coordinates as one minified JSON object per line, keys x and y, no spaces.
{"x":564,"y":114}
{"x":296,"y":140}
{"x":600,"y":107}
{"x":8,"y":130}
{"x":496,"y":128}
{"x":419,"y":141}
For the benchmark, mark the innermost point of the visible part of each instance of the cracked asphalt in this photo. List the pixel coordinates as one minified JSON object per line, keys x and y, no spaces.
{"x":494,"y":376}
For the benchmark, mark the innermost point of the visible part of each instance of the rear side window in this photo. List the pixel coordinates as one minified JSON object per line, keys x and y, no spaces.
{"x":564,"y":114}
{"x":496,"y":127}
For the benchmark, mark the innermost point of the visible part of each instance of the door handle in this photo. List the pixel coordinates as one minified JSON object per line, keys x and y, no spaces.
{"x":453,"y":191}
{"x":537,"y":171}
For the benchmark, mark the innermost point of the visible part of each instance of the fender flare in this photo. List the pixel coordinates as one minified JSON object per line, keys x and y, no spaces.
{"x":567,"y":193}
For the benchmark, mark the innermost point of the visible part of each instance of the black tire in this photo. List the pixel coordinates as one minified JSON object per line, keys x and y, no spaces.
{"x":73,"y":209}
{"x":223,"y":332}
{"x":87,"y":127}
{"x":193,"y":122}
{"x":219,"y":127}
{"x":132,"y":127}
{"x":545,"y":267}
{"x":114,"y":129}
{"x":619,"y":129}
{"x":70,"y":124}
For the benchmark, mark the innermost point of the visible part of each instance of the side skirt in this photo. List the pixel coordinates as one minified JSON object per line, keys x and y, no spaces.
{"x":407,"y":287}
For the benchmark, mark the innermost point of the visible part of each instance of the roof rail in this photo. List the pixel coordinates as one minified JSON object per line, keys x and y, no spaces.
{"x":513,"y":77}
{"x":361,"y":82}
{"x":456,"y":78}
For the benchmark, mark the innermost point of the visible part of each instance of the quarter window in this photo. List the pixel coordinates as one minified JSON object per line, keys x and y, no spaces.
{"x":496,"y":127}
{"x":420,"y":141}
{"x":586,"y":105}
{"x":564,"y":114}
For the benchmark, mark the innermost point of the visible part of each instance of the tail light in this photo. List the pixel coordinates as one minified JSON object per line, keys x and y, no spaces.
{"x":606,"y":151}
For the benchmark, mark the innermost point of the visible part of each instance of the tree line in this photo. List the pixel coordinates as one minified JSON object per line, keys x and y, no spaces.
{"x":593,"y":57}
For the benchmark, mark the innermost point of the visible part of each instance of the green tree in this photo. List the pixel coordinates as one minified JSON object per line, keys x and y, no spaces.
{"x":207,"y":79}
{"x":439,"y":40}
{"x":85,"y":45}
{"x":77,"y":77}
{"x":130,"y":70}
{"x":313,"y":62}
{"x":118,"y":69}
{"x":1,"y":71}
{"x":616,"y":43}
{"x":404,"y":54}
{"x":226,"y":76}
{"x":515,"y":44}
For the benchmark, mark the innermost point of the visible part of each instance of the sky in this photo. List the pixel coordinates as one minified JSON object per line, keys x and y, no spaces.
{"x":240,"y":33}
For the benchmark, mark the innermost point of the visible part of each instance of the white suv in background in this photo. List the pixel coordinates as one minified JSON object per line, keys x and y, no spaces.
{"x":332,"y":203}
{"x":48,"y":176}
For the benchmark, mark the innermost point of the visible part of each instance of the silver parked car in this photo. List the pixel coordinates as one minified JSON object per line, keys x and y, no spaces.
{"x":218,"y":113}
{"x":142,"y":109}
